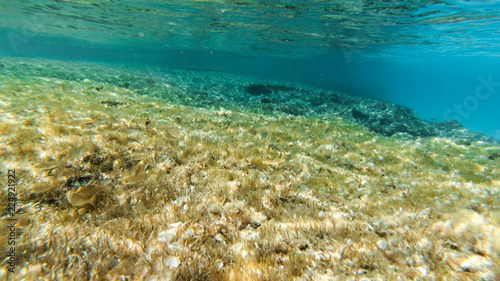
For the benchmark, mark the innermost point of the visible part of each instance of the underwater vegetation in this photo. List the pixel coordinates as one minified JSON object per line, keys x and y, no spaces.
{"x":212,"y":89}
{"x":116,"y":185}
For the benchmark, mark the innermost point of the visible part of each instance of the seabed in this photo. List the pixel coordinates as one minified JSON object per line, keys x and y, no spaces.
{"x":117,"y":185}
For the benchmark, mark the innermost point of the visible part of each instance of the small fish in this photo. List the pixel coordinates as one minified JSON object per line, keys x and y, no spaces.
{"x":78,"y":200}
{"x":138,"y":156}
{"x":89,"y":133}
{"x":68,"y":173}
{"x":494,"y":156}
{"x":73,"y":153}
{"x":248,"y":144}
{"x":89,"y":190}
{"x":112,"y":103}
{"x":138,"y":176}
{"x":140,"y":120}
{"x":161,"y":175}
{"x":47,"y":165}
{"x":40,"y":187}
{"x":81,"y":121}
{"x":111,"y":119}
{"x":116,"y":165}
{"x":84,"y":195}
{"x":59,"y":171}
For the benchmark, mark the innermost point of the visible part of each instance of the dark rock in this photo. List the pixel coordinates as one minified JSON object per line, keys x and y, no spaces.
{"x":261,"y":89}
{"x":268,"y":100}
{"x":450,"y":125}
{"x":208,"y":88}
{"x":359,"y":115}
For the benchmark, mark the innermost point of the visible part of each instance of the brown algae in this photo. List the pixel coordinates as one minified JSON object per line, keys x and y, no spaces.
{"x":185,"y":193}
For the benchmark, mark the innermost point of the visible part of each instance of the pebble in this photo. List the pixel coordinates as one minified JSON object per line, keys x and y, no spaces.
{"x":382,"y":244}
{"x":475,"y":263}
{"x":173,"y":262}
{"x":167,"y":236}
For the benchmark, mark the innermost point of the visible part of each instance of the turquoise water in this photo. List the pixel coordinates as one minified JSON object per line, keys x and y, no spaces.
{"x":250,"y":140}
{"x":440,"y":58}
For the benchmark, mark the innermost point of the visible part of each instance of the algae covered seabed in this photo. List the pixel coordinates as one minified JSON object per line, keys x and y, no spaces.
{"x":118,"y":184}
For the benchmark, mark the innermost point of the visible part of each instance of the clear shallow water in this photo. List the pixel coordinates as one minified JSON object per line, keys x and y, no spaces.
{"x":429,"y":55}
{"x":298,"y":28}
{"x":114,"y":168}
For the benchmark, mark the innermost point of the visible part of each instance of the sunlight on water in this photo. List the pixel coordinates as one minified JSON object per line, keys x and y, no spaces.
{"x":250,"y":140}
{"x":277,"y":27}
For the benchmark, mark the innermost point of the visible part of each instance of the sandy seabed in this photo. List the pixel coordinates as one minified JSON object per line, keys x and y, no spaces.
{"x":114,"y":185}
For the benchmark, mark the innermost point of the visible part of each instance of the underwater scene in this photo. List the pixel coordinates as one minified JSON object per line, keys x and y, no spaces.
{"x":250,"y":140}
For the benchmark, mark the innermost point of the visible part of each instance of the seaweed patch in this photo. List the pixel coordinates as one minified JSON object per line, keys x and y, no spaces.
{"x":158,"y":190}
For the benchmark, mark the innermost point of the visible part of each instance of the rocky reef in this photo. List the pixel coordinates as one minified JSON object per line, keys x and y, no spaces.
{"x":213,"y":89}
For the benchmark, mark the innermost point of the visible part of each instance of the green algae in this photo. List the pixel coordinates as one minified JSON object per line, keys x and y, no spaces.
{"x":286,"y":196}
